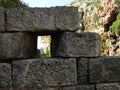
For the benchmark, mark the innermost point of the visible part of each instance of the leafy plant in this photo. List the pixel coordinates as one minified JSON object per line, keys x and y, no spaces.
{"x":115,"y":27}
{"x":118,"y":16}
{"x":12,"y":3}
{"x":45,"y":54}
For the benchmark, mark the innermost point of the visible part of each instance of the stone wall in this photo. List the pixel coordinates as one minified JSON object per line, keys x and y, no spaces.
{"x":75,"y":62}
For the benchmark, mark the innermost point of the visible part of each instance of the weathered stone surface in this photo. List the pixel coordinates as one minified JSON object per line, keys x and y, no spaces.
{"x":104,"y":69}
{"x":67,"y":18}
{"x":81,"y":87}
{"x":82,"y":70}
{"x":5,"y":75}
{"x":44,"y":72}
{"x":70,"y":44}
{"x":110,"y":86}
{"x":43,"y":19}
{"x":7,"y":89}
{"x":47,"y":88}
{"x":17,"y":45}
{"x":2,"y":19}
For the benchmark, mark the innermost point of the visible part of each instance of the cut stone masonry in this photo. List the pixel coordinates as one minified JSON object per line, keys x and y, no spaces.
{"x":75,"y":62}
{"x":42,"y":19}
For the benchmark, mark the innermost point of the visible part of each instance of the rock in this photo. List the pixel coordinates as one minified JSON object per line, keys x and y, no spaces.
{"x":17,"y":45}
{"x":67,"y":18}
{"x":104,"y":69}
{"x":70,"y":44}
{"x":44,"y":72}
{"x":43,"y":19}
{"x":82,"y":68}
{"x":2,"y":19}
{"x":80,"y":87}
{"x":46,"y":88}
{"x":110,"y":86}
{"x":5,"y":75}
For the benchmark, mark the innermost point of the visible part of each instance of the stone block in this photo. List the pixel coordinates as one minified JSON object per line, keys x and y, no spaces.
{"x":2,"y":19}
{"x":70,"y":44}
{"x":82,"y":70}
{"x":67,"y":18}
{"x":43,"y":19}
{"x":47,"y":88}
{"x":5,"y":75}
{"x":81,"y":87}
{"x":44,"y":72}
{"x":104,"y":69}
{"x":6,"y":88}
{"x":17,"y":45}
{"x":109,"y":86}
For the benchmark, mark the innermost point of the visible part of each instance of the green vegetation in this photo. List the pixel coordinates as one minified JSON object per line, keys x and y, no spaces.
{"x":115,"y":27}
{"x":12,"y":3}
{"x":41,"y":53}
{"x":95,"y":3}
{"x":45,"y":54}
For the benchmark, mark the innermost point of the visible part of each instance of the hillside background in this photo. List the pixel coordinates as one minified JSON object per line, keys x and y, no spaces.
{"x":102,"y":17}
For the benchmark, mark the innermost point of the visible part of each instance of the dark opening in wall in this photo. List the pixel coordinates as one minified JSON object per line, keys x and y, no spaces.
{"x":43,"y":46}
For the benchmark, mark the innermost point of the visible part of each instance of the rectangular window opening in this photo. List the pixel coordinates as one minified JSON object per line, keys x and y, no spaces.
{"x":43,"y":46}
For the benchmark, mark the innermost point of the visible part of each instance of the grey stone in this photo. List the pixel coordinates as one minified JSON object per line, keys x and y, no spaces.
{"x":67,"y":18}
{"x":110,"y":86}
{"x":6,"y":89}
{"x":17,"y":45}
{"x":5,"y":75}
{"x":47,"y":88}
{"x":43,"y":19}
{"x":70,"y":44}
{"x":104,"y":69}
{"x":81,"y":87}
{"x":44,"y":72}
{"x":2,"y":19}
{"x":82,"y":70}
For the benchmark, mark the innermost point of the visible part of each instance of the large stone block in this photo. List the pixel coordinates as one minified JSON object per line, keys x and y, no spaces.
{"x":109,"y":86}
{"x":104,"y":69}
{"x":17,"y":45}
{"x":2,"y":19}
{"x":81,"y":87}
{"x":44,"y":72}
{"x":6,"y":88}
{"x":5,"y":75}
{"x":67,"y":18}
{"x":82,"y":70}
{"x":70,"y":44}
{"x":43,"y":19}
{"x":45,"y":88}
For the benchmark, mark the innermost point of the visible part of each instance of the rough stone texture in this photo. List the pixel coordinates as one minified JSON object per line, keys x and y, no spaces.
{"x":44,"y":72}
{"x":110,"y":86}
{"x":82,"y":70}
{"x":104,"y":69}
{"x":70,"y":44}
{"x":82,"y":87}
{"x":5,"y":75}
{"x":17,"y":45}
{"x":54,"y":88}
{"x":2,"y":19}
{"x":67,"y":18}
{"x":6,"y":89}
{"x":43,"y":19}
